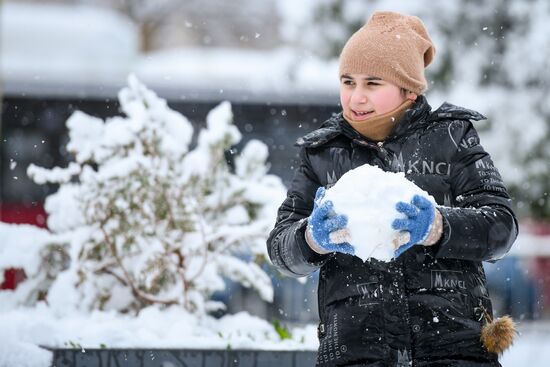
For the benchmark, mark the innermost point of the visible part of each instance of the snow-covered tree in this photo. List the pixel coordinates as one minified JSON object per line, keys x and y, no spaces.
{"x":148,"y":220}
{"x":492,"y":56}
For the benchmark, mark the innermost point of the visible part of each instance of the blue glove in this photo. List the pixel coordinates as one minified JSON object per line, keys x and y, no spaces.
{"x":323,"y":221}
{"x":420,"y":217}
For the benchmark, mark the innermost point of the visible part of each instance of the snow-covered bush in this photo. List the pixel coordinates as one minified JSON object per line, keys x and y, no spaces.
{"x":148,"y":219}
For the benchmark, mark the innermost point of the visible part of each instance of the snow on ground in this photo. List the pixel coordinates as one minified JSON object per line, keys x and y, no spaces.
{"x":15,"y":353}
{"x":23,"y":329}
{"x":532,"y":346}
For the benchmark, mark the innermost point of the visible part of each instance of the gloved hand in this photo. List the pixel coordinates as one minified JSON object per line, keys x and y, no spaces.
{"x":423,"y":225}
{"x":326,"y":229}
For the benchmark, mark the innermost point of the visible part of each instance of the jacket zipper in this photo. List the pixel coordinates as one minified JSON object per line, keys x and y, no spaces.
{"x":321,"y":330}
{"x":405,"y":297}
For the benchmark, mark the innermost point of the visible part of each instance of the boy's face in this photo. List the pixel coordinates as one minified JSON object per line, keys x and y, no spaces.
{"x":364,"y":96}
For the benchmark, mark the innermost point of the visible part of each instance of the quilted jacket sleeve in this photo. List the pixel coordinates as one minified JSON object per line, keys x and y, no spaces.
{"x":286,"y":244}
{"x":482,"y":226}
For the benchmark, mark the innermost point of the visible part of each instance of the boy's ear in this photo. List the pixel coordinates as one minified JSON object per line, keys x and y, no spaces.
{"x":412,"y":96}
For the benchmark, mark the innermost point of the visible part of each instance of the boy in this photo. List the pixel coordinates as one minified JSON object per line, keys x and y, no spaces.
{"x":427,"y":306}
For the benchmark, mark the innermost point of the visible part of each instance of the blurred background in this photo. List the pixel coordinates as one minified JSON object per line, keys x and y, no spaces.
{"x":276,"y":61}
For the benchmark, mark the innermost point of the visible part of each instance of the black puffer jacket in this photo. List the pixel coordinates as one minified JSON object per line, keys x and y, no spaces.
{"x":425,"y":308}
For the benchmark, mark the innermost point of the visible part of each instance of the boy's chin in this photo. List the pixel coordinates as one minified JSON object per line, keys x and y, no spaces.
{"x":366,"y":117}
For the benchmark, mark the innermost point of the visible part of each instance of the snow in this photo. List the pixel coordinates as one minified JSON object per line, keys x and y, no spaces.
{"x":20,"y":354}
{"x":73,"y":41}
{"x":24,"y":255}
{"x":367,"y":196}
{"x":61,"y":324}
{"x":113,"y":248}
{"x":143,"y":161}
{"x":281,"y":71}
{"x":73,"y":38}
{"x":531,"y":347}
{"x":25,"y":328}
{"x":75,"y":34}
{"x":245,"y":69}
{"x":58,"y":42}
{"x":56,"y":175}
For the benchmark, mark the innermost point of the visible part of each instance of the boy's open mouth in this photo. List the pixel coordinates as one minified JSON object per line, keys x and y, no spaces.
{"x":361,"y":115}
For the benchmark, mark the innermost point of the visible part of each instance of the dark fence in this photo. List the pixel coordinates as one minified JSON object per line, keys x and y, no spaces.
{"x":180,"y":358}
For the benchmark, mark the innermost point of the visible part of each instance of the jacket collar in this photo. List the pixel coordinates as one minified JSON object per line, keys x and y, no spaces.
{"x":419,"y":115}
{"x":337,"y":125}
{"x":330,"y":129}
{"x":449,"y":111}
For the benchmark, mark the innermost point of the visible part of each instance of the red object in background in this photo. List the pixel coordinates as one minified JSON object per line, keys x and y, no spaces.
{"x":541,"y":265}
{"x":12,"y":277}
{"x":22,"y":213}
{"x":18,"y":213}
{"x":537,"y":228}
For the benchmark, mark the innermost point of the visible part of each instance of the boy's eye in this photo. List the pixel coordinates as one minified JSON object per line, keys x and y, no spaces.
{"x":347,"y":82}
{"x":373,"y":83}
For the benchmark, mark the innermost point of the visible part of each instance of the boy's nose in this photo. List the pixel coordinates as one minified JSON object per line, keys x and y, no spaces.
{"x":358,"y":97}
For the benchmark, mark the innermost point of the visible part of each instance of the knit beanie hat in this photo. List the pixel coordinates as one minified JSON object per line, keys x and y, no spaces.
{"x":393,"y":47}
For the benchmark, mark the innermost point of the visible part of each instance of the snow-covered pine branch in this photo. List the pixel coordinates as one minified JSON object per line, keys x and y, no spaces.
{"x":153,"y":221}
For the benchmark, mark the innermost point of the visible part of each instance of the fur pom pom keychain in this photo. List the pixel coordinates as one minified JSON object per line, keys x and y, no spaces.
{"x":498,"y":335}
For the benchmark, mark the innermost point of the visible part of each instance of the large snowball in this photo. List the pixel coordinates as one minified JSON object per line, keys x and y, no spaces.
{"x":367,"y":195}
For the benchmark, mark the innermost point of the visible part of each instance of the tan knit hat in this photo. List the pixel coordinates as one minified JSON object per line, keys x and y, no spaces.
{"x":393,"y":47}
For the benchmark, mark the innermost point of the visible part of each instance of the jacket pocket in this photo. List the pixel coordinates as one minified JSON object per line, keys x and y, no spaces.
{"x":352,"y":332}
{"x":443,"y":325}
